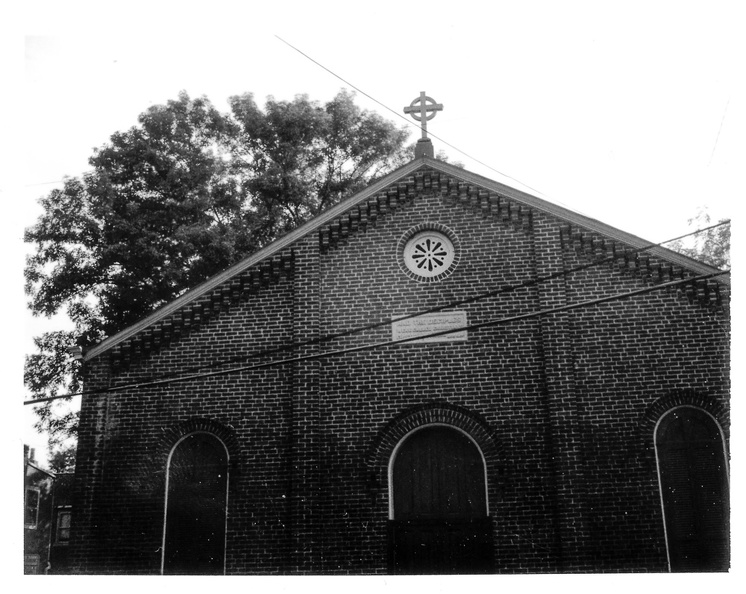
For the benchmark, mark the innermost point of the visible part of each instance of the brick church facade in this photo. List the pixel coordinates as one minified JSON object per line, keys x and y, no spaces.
{"x":439,"y":374}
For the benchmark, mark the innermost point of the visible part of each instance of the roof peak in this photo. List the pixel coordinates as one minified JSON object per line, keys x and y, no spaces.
{"x":393,"y":180}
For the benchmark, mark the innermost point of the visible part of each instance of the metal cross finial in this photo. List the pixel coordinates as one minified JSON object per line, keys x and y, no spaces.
{"x":420,"y":113}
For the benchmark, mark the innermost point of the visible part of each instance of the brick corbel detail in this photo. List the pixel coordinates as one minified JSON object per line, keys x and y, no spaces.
{"x":455,"y":192}
{"x":643,"y":266}
{"x":208,"y":307}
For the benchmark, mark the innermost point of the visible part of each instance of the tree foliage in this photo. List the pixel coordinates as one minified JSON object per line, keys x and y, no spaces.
{"x":170,"y":202}
{"x":711,"y":246}
{"x":62,"y":460}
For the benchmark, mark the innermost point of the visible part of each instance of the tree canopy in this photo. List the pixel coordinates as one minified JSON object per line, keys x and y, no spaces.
{"x":711,"y":246}
{"x":175,"y":199}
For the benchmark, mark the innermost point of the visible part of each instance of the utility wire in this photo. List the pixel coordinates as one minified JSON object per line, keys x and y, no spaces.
{"x":388,"y":343}
{"x":474,"y":298}
{"x":57,"y":181}
{"x":387,"y":321}
{"x":720,"y":129}
{"x":409,"y":122}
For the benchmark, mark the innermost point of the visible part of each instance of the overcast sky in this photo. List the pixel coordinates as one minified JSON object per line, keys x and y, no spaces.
{"x":630,"y":112}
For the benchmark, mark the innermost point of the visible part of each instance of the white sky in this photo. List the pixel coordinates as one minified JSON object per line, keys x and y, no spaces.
{"x":631,"y":112}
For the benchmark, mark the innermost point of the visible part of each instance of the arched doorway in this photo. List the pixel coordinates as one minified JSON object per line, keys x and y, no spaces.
{"x":694,"y":488}
{"x":439,"y":516}
{"x":196,"y":493}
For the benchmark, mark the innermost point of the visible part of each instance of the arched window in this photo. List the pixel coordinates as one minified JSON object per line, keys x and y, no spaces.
{"x":694,"y":490}
{"x":439,"y":519}
{"x":196,"y":495}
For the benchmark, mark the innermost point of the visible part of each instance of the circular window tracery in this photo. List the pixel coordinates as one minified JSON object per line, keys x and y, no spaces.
{"x":428,"y":252}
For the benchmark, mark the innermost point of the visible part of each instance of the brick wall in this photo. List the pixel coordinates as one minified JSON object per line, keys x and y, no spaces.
{"x":559,"y":406}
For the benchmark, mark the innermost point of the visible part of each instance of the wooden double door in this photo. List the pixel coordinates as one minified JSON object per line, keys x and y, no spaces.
{"x":440,"y":521}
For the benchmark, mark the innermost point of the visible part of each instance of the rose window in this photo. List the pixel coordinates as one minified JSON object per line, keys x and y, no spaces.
{"x":428,"y":254}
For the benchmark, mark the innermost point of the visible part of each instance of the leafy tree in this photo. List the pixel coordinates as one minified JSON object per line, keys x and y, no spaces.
{"x":62,"y":460}
{"x":711,"y":246}
{"x":175,"y":199}
{"x":299,"y":158}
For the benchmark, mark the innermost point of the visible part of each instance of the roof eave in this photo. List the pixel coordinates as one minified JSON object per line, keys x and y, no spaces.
{"x":339,"y":209}
{"x":576,"y":218}
{"x":266,"y":252}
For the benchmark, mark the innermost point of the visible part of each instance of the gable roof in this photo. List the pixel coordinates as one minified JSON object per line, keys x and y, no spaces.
{"x":402,"y":175}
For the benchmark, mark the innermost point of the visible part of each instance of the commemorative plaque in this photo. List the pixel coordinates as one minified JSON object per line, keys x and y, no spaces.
{"x":432,"y":323}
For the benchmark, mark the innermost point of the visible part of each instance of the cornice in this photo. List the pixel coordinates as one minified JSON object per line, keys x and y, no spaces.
{"x":513,"y":207}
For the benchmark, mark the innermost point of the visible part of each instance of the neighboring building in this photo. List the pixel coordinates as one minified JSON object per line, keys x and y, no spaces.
{"x":578,"y":424}
{"x":62,"y":511}
{"x":37,"y":515}
{"x":47,"y":518}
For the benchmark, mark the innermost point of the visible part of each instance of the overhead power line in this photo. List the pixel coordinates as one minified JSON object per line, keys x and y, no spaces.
{"x":472,"y":299}
{"x":409,"y":123}
{"x":720,"y":129}
{"x":387,"y":321}
{"x":388,"y":343}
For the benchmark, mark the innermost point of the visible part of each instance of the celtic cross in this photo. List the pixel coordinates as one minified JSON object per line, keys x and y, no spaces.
{"x":424,"y":111}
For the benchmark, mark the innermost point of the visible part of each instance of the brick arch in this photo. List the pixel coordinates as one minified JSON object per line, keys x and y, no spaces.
{"x":669,"y":401}
{"x":685,"y":397}
{"x":428,"y":414}
{"x":170,"y":436}
{"x":428,"y":226}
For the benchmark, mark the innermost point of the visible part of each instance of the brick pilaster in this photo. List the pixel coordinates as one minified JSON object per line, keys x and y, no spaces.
{"x":561,"y":399}
{"x":304,"y":424}
{"x":89,"y":473}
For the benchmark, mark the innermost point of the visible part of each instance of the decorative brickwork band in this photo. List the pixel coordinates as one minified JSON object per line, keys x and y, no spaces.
{"x":643,"y":264}
{"x":198,"y":314}
{"x":455,"y":191}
